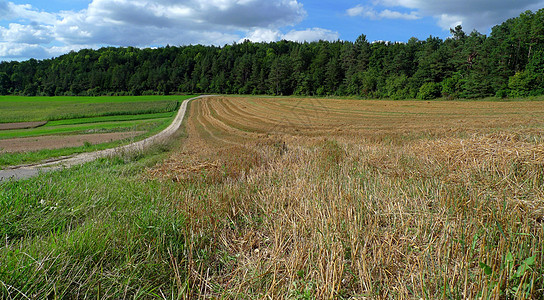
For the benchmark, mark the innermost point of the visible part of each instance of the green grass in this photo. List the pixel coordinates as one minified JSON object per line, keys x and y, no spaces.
{"x":95,"y":234}
{"x":106,"y":233}
{"x":119,"y":118}
{"x":20,"y":158}
{"x":28,"y":109}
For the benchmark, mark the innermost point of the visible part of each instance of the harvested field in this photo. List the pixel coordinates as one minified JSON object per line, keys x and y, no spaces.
{"x":62,"y":141}
{"x":362,"y":199}
{"x":21,"y":125}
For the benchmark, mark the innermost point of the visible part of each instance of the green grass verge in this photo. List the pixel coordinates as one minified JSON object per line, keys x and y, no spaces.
{"x":105,"y":232}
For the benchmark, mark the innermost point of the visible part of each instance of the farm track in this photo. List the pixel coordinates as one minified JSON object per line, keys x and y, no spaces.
{"x":26,"y":171}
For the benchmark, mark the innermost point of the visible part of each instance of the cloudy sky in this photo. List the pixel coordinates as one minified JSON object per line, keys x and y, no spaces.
{"x":47,"y":28}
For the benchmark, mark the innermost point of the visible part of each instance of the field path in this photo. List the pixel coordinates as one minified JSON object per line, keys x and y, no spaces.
{"x":27,"y":171}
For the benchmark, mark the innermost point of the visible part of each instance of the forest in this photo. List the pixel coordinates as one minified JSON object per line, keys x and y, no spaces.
{"x":507,"y":63}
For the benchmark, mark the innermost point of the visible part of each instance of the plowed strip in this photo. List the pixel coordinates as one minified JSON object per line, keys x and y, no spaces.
{"x":58,"y":141}
{"x":21,"y":125}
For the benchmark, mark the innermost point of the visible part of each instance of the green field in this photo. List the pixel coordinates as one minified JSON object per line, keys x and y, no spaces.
{"x":83,"y":115}
{"x":28,"y":109}
{"x":89,"y":127}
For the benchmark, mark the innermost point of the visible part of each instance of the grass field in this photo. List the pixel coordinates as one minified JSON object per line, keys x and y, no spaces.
{"x":82,"y":115}
{"x":28,"y":109}
{"x":296,"y":198}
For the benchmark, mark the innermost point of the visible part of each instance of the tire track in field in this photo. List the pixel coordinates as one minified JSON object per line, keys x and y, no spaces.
{"x":245,"y":111}
{"x":257,"y":118}
{"x":205,"y":123}
{"x":213,"y":120}
{"x":27,"y":171}
{"x":222,"y":118}
{"x":287,"y":116}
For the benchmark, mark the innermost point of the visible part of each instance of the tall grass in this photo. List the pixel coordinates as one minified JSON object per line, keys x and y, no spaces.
{"x":104,"y":233}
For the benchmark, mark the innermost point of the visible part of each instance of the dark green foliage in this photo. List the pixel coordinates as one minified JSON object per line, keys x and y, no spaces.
{"x":428,"y":91}
{"x":452,"y":86}
{"x":508,"y":62}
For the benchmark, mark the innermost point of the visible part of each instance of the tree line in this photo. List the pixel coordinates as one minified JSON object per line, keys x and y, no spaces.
{"x":507,"y":63}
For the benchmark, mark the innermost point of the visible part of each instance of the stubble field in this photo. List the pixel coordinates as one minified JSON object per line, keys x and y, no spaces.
{"x":295,"y":198}
{"x":347,"y":198}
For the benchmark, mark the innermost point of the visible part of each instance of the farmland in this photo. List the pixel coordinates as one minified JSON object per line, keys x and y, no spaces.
{"x":296,"y":197}
{"x":95,"y":120}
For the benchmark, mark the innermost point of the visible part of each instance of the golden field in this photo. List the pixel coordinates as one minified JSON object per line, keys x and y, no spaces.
{"x":324,"y":198}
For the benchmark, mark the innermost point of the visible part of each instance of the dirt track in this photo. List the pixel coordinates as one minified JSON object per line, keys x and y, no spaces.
{"x":21,"y":125}
{"x":21,"y":172}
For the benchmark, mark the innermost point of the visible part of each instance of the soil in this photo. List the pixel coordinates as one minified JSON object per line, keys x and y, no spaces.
{"x":21,"y":125}
{"x":61,"y":141}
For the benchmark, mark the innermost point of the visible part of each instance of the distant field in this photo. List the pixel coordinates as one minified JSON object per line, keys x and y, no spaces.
{"x":80,"y":115}
{"x":28,"y":109}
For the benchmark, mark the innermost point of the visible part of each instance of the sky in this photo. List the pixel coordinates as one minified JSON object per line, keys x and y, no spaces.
{"x":43,"y":29}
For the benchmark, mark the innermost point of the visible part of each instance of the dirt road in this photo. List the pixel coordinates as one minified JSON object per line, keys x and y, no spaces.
{"x":27,"y":171}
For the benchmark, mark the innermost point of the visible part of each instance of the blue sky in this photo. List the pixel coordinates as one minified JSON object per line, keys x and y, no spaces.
{"x":43,"y":29}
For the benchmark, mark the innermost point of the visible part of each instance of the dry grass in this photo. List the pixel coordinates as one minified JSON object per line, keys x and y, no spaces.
{"x":363,"y":199}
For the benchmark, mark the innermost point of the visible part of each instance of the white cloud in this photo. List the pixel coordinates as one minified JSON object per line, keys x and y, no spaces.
{"x":308,"y":35}
{"x":389,"y":14}
{"x":27,"y":34}
{"x":11,"y":11}
{"x":371,"y":13}
{"x":446,"y":21}
{"x":20,"y":50}
{"x":472,"y":14}
{"x":263,"y":35}
{"x":146,"y":23}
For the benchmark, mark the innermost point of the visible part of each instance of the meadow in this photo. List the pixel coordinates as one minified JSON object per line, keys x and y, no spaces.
{"x":295,"y":198}
{"x":28,"y":109}
{"x":88,"y":116}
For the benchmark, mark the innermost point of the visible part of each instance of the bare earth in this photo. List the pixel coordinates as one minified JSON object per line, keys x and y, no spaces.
{"x":21,"y":125}
{"x":62,"y":141}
